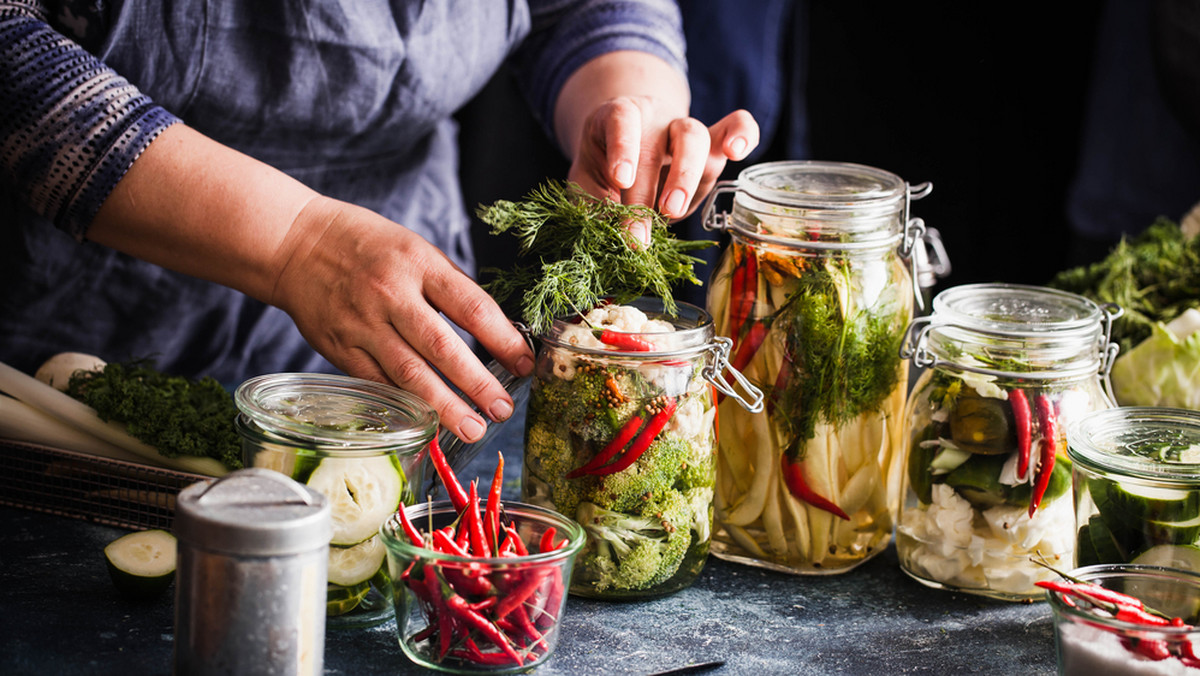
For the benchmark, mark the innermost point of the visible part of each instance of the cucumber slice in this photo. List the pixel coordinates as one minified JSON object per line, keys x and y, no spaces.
{"x":340,"y":600}
{"x":1176,"y":600}
{"x":142,"y":564}
{"x":352,"y":565}
{"x":286,"y":461}
{"x":362,"y":492}
{"x":1152,"y":503}
{"x":1085,"y":551}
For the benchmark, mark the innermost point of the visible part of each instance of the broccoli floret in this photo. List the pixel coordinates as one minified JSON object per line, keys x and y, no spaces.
{"x":655,"y":472}
{"x":699,"y":470}
{"x":635,"y":551}
{"x":548,"y":459}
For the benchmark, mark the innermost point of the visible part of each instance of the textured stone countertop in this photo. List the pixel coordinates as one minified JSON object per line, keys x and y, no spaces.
{"x":60,"y":615}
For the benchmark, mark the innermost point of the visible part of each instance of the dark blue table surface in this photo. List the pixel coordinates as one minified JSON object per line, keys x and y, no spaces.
{"x":59,"y":615}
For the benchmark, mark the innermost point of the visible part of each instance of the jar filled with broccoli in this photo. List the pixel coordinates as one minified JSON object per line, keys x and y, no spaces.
{"x":620,"y":435}
{"x":987,"y":496}
{"x":814,"y":291}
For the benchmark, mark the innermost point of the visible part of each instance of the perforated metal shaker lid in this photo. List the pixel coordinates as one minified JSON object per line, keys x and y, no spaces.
{"x":253,"y":512}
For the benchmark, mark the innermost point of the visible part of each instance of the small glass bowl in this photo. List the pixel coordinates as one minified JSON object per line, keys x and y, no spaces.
{"x":1089,"y":642}
{"x":488,"y":585}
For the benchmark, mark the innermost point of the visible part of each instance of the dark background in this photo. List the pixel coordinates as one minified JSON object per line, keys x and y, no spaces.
{"x":984,"y":100}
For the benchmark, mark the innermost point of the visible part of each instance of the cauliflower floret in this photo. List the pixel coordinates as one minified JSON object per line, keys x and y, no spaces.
{"x":950,"y":517}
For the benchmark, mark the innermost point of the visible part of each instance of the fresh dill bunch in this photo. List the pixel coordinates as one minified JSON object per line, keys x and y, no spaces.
{"x":575,"y":251}
{"x":175,"y":415}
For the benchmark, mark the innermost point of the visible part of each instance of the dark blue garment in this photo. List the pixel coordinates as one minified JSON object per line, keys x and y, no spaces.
{"x":1137,"y":162}
{"x":352,"y":97}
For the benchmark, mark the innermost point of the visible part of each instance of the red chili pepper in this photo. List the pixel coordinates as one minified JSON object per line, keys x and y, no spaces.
{"x":550,"y":607}
{"x":743,"y":290}
{"x":441,"y":614}
{"x":547,"y":542}
{"x":629,"y":342}
{"x":641,"y":442}
{"x":414,"y":535}
{"x":610,"y":450}
{"x":1154,"y":649}
{"x":445,"y":545}
{"x":454,"y":490}
{"x":793,"y":477}
{"x":1024,"y":421}
{"x":475,"y":524}
{"x":491,"y":521}
{"x":526,"y":626}
{"x":518,"y":543}
{"x":1049,"y":428}
{"x":1092,"y":592}
{"x":521,"y":592}
{"x":484,"y":626}
{"x":749,"y":347}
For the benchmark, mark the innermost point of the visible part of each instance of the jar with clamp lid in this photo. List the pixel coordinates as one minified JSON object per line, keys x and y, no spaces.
{"x":619,"y":435}
{"x":987,"y":495}
{"x":814,"y":291}
{"x":358,"y":443}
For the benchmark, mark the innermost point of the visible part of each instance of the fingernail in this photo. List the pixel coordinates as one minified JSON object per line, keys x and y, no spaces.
{"x":524,"y":366}
{"x":641,"y":232}
{"x":500,"y":410}
{"x":470,"y":429}
{"x":624,"y":173}
{"x":737,"y":146}
{"x":676,"y":202}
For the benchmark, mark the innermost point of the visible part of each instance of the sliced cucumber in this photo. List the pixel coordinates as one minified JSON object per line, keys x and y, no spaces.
{"x":362,"y":492}
{"x":142,"y":564}
{"x":359,"y":563}
{"x":286,"y":461}
{"x":340,"y":600}
{"x":1176,"y":600}
{"x":1153,"y":503}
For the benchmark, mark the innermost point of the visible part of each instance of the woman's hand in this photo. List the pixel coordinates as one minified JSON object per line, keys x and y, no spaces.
{"x":364,"y":291}
{"x":623,"y":118}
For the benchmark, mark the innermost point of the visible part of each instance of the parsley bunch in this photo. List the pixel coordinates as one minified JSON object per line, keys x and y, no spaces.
{"x":175,"y":415}
{"x":575,"y":251}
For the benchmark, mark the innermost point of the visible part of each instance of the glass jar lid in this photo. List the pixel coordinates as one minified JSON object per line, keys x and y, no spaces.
{"x":832,"y":202}
{"x":1013,"y":330}
{"x":335,"y":410}
{"x":1160,"y":444}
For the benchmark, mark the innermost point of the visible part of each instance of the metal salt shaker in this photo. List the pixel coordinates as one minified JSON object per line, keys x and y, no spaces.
{"x":250,"y":583}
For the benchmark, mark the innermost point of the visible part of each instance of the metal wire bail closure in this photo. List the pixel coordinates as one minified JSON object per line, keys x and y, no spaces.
{"x":719,"y":364}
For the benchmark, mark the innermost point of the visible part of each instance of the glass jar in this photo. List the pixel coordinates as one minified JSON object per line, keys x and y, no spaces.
{"x":359,"y":444}
{"x":619,"y":435}
{"x":1136,"y":484}
{"x":814,"y":293}
{"x":987,"y":482}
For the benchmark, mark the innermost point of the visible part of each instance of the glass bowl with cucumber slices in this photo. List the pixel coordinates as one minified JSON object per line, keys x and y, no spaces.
{"x":1136,"y":484}
{"x":1126,"y":619}
{"x":359,"y":444}
{"x":480,"y":590}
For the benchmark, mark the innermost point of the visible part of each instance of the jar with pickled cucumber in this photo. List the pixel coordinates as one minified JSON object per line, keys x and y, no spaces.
{"x":814,"y":292}
{"x":1136,"y":484}
{"x":358,"y":443}
{"x":987,"y":480}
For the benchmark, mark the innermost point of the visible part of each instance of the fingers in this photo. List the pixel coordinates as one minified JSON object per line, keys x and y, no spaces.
{"x":735,"y":135}
{"x":689,"y":152}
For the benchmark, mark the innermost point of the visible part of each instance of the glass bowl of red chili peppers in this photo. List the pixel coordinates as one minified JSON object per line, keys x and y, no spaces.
{"x":479,"y":586}
{"x":1127,"y":619}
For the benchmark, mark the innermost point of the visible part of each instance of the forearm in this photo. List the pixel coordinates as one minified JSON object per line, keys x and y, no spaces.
{"x":632,"y":74}
{"x":198,"y":207}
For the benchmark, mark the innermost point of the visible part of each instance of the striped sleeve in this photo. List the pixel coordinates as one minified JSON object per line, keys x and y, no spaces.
{"x":567,"y":33}
{"x":70,"y":127}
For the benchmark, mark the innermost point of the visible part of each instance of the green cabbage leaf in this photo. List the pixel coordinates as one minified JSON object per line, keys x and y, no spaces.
{"x":1163,"y":369}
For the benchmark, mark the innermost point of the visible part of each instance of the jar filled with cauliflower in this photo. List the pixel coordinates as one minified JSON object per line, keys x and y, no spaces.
{"x":620,"y":436}
{"x":987,"y":495}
